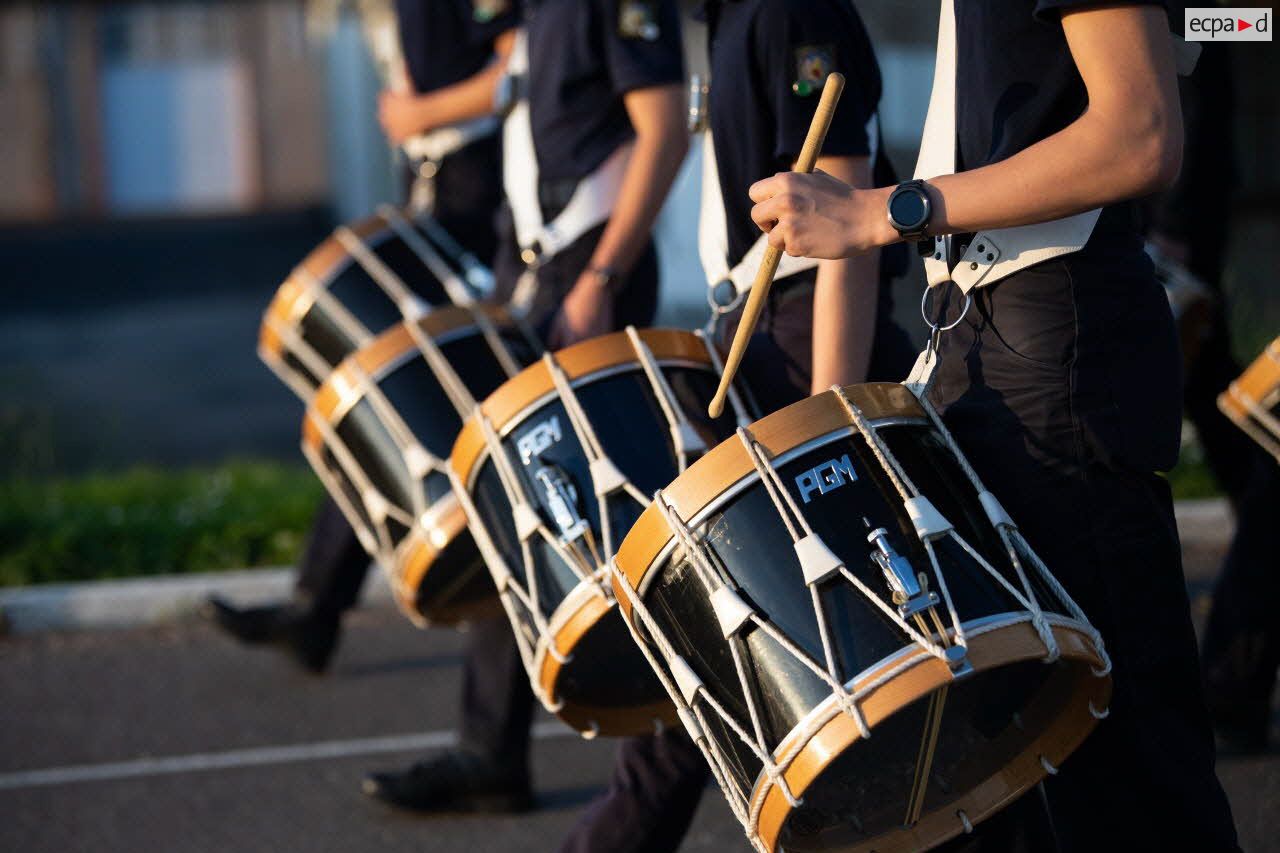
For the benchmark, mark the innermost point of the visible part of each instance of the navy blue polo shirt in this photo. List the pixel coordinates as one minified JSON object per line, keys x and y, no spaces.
{"x":769,"y":59}
{"x":584,"y":56}
{"x":1016,"y":83}
{"x":447,"y":41}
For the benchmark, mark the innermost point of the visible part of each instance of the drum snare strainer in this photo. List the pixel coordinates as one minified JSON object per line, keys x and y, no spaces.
{"x":552,"y":470}
{"x":854,"y":631}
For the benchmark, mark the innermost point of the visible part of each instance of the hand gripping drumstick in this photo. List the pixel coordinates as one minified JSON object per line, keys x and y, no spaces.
{"x":769,"y":264}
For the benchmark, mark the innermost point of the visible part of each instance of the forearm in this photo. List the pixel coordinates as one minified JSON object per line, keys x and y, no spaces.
{"x":1127,"y":144}
{"x":655,"y":160}
{"x":465,"y":101}
{"x":844,"y":320}
{"x":844,"y":300}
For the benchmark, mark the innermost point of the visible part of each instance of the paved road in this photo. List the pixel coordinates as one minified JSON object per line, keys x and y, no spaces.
{"x":174,"y":739}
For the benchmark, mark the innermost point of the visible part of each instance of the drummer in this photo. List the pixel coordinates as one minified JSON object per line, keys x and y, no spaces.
{"x":1060,"y":381}
{"x":825,"y":322}
{"x":592,"y":142}
{"x":603,"y":96}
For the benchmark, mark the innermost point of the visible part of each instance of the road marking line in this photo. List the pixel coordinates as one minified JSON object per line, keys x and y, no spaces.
{"x":254,"y":757}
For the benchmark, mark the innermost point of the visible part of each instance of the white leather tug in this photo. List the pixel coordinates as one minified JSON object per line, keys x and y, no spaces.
{"x":592,"y":200}
{"x":1004,"y":251}
{"x":441,"y":142}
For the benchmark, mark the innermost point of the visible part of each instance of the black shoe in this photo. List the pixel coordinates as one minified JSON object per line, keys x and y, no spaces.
{"x":454,"y":781}
{"x":309,"y":637}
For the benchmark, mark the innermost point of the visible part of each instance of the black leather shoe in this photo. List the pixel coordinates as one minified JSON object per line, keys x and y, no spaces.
{"x":454,"y":781}
{"x":309,"y":637}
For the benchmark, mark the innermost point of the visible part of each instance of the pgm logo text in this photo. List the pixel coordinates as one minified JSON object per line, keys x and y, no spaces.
{"x":538,"y":439}
{"x":1225,"y":23}
{"x":828,"y":476}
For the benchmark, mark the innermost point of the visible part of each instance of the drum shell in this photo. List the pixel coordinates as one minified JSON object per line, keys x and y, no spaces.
{"x":1253,"y":400}
{"x":606,"y":686}
{"x":434,"y":551}
{"x":333,"y":305}
{"x":844,"y":493}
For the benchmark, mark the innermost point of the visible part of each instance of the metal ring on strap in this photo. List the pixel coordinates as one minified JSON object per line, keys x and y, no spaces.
{"x":924,"y":312}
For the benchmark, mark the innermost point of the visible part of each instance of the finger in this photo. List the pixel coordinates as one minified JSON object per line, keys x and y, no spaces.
{"x":768,"y":188}
{"x":780,"y":235}
{"x":766,"y":214}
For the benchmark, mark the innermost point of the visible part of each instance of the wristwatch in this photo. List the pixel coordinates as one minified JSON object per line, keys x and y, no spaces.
{"x":910,"y":210}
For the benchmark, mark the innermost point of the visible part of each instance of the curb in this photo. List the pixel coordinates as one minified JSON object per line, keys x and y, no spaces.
{"x":139,"y":602}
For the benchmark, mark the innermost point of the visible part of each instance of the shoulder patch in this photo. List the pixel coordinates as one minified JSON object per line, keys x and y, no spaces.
{"x":638,"y":19}
{"x":485,"y":11}
{"x":813,"y":63}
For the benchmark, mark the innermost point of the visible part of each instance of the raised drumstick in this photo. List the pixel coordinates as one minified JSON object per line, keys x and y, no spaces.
{"x":769,"y":264}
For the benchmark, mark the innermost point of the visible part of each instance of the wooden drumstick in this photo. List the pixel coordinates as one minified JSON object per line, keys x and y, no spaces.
{"x":831,"y":92}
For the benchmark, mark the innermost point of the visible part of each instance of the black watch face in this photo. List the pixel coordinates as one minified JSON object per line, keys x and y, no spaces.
{"x":908,"y":209}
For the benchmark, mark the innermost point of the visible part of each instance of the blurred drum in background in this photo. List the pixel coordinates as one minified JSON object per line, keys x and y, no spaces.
{"x":837,"y":571}
{"x":1190,"y":300}
{"x":1253,"y":400}
{"x":552,"y":470}
{"x":378,"y":432}
{"x":364,"y":278}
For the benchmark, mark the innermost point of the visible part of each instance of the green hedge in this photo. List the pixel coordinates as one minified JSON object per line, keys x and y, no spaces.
{"x":149,"y":521}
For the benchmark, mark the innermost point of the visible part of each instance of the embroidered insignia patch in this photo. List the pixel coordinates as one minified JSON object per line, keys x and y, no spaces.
{"x":638,"y":19}
{"x":485,"y":11}
{"x":813,"y":63}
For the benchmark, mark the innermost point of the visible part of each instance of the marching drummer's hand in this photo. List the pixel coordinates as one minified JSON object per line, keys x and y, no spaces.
{"x":818,"y":216}
{"x":401,"y":116}
{"x":587,"y":311}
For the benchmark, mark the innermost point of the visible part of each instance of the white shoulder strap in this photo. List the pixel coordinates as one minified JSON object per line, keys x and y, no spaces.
{"x":713,"y":237}
{"x":995,"y":254}
{"x":592,"y":199}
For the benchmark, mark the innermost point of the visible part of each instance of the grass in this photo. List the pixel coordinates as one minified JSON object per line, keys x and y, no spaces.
{"x":149,"y":521}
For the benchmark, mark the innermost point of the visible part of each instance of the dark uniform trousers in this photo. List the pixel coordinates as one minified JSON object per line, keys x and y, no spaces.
{"x":658,"y":780}
{"x":1061,"y":386}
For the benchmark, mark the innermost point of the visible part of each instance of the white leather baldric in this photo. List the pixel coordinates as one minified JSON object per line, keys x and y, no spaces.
{"x":995,"y":254}
{"x":592,"y":200}
{"x":713,"y":236}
